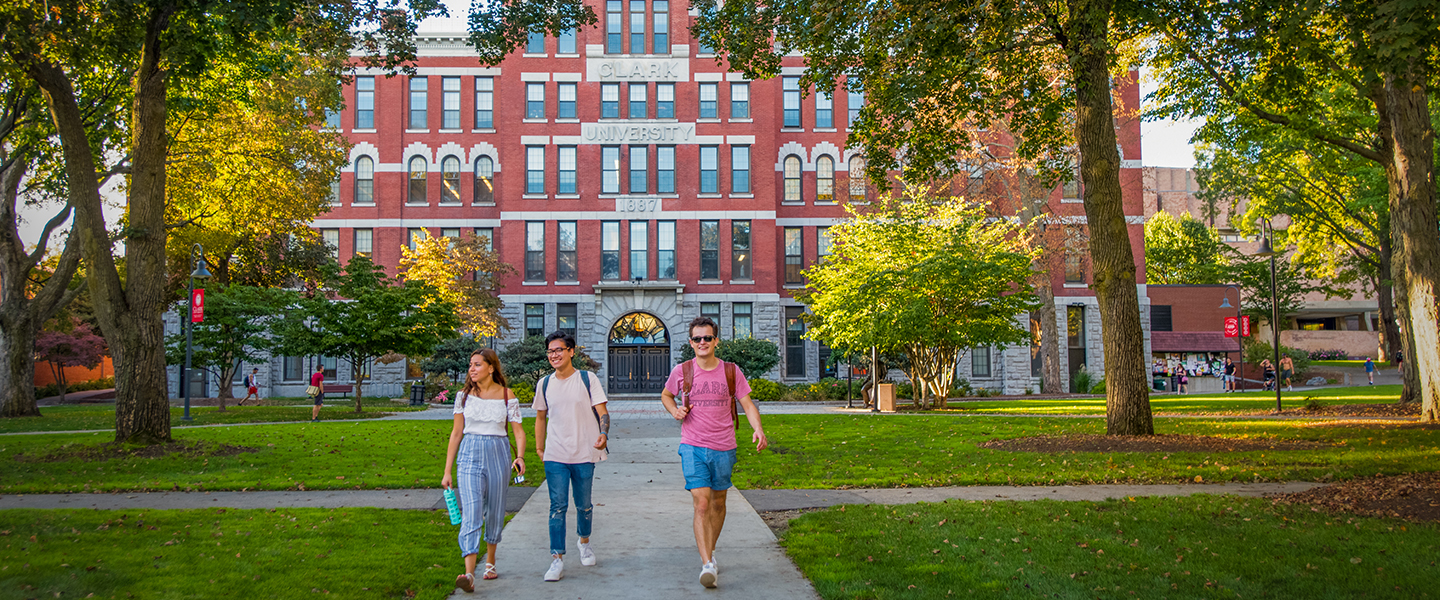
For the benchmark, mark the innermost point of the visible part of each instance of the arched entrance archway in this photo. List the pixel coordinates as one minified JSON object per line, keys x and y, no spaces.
{"x":639,"y":355}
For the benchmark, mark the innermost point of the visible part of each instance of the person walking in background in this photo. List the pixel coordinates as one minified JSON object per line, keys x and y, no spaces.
{"x":1269,"y":371}
{"x":1287,"y":370}
{"x":252,"y":385}
{"x":1184,"y":381}
{"x":479,"y":441}
{"x":1229,"y":375}
{"x":1370,"y":370}
{"x":569,"y":413}
{"x":1400,"y":363}
{"x":317,"y":391}
{"x":709,"y":389}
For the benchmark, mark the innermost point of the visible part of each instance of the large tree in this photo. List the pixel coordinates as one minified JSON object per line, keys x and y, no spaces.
{"x":1356,"y":76}
{"x":466,"y":273}
{"x":928,"y":277}
{"x":165,"y":48}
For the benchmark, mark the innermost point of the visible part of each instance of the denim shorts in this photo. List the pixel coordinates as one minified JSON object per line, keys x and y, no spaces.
{"x":706,"y":468}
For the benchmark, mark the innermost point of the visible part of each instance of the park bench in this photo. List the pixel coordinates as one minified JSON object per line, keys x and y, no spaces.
{"x":343,"y":390}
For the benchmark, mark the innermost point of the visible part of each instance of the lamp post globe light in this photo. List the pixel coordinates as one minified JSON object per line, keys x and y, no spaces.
{"x":1267,"y":249}
{"x":197,"y":264}
{"x":1239,"y":333}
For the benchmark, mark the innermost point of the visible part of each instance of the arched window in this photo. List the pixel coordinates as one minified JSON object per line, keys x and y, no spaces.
{"x":484,"y":180}
{"x":857,"y":179}
{"x":825,"y":179}
{"x":792,"y":178}
{"x":417,"y":181}
{"x":364,"y":180}
{"x":450,"y":176}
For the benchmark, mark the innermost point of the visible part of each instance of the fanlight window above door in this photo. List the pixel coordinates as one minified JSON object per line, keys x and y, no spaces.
{"x":639,"y":328}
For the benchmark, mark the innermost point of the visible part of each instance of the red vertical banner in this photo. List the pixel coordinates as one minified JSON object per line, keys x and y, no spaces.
{"x":197,"y":306}
{"x":1245,"y":326}
{"x":1232,"y":326}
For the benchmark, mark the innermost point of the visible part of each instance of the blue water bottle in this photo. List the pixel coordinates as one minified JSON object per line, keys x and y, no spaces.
{"x":453,"y":504}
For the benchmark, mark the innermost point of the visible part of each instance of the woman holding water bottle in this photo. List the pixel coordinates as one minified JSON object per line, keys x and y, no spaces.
{"x":479,"y":443}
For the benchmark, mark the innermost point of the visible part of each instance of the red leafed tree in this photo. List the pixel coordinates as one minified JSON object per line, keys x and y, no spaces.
{"x":75,"y":346}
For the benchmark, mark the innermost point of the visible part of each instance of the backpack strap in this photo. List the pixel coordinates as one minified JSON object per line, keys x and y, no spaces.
{"x":730,"y":384}
{"x":687,"y":374}
{"x":545,"y":389}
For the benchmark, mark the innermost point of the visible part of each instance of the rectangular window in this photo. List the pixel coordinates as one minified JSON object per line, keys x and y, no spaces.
{"x":665,"y":250}
{"x":1036,"y":359}
{"x":565,"y":44}
{"x":450,"y":234}
{"x":637,"y":26}
{"x":639,"y":106}
{"x":1075,"y":250}
{"x":534,"y":320}
{"x":1161,"y":317}
{"x":486,"y":235}
{"x":790,"y":88}
{"x":566,"y":319}
{"x":294,"y":368}
{"x":739,"y":169}
{"x":708,"y":92}
{"x":613,"y":26}
{"x":332,"y":241}
{"x":822,"y":242}
{"x":709,"y":170}
{"x":853,"y":102}
{"x":534,"y":169}
{"x":662,"y":27}
{"x":332,"y":119}
{"x":610,"y":250}
{"x":565,"y":179}
{"x":364,"y":241}
{"x":412,"y":237}
{"x":566,"y":107}
{"x":740,"y":319}
{"x":484,"y":102}
{"x":609,"y":100}
{"x":980,"y":362}
{"x":639,"y":170}
{"x":665,"y":170}
{"x":639,"y":249}
{"x":709,"y":249}
{"x":364,"y":102}
{"x":664,"y":100}
{"x":711,"y":310}
{"x":824,"y":111}
{"x":535,"y":251}
{"x":794,"y":342}
{"x":450,"y":88}
{"x":1075,"y":340}
{"x":740,"y":100}
{"x":535,"y":43}
{"x":740,"y":250}
{"x":567,"y":262}
{"x":534,"y":100}
{"x":793,"y":255}
{"x":610,"y":170}
{"x":419,"y":93}
{"x":702,"y":48}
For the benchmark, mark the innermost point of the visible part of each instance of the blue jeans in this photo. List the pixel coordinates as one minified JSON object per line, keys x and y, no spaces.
{"x":560,"y":478}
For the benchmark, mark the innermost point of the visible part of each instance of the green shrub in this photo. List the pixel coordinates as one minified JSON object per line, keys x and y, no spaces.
{"x":103,"y":383}
{"x":764,"y":390}
{"x":905,"y":389}
{"x":525,"y":360}
{"x":1258,"y":351}
{"x":1098,"y":388}
{"x":961,"y":388}
{"x":523,"y":390}
{"x":803,"y":392}
{"x":754,"y":356}
{"x":1081,"y":382}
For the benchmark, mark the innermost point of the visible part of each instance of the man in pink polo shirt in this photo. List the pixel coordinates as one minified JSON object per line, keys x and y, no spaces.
{"x":707,"y":434}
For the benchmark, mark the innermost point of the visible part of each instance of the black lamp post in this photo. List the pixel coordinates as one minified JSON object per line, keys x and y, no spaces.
{"x":197,"y":264}
{"x":1239,"y":332}
{"x":1267,"y":249}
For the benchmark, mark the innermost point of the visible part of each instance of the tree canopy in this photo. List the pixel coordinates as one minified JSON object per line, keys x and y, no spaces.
{"x":1183,"y":250}
{"x":466,"y":273}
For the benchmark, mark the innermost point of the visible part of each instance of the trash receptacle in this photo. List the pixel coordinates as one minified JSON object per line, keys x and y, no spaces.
{"x":417,"y":394}
{"x":886,"y":395}
{"x":1159,"y":384}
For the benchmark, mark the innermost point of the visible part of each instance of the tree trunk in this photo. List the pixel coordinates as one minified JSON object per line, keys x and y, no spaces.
{"x":1050,"y":382}
{"x":17,"y":379}
{"x":1416,"y":265}
{"x":1127,"y":395}
{"x":226,"y":383}
{"x":1389,"y":332}
{"x":357,"y":366}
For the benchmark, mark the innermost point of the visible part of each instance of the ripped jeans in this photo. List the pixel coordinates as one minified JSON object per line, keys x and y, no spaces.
{"x":560,"y":478}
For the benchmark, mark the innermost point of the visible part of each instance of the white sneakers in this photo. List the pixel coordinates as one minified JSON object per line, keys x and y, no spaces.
{"x":557,"y":570}
{"x":709,"y":575}
{"x":587,"y":556}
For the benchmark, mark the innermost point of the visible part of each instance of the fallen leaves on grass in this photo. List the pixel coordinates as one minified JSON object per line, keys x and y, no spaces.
{"x":111,"y":451}
{"x":1079,"y":442}
{"x":1414,"y":497}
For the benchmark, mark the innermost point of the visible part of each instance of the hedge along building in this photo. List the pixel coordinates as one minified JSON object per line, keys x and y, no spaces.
{"x":633,"y":183}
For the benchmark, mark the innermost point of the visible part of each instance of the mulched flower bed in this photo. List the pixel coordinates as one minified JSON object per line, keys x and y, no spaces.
{"x":1414,"y":497}
{"x":1144,"y":443}
{"x":103,"y":452}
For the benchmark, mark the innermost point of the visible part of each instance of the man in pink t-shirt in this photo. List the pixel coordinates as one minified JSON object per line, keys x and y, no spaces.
{"x":707,"y":435}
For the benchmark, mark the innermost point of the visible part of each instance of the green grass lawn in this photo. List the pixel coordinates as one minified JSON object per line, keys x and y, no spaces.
{"x":837,"y":451}
{"x":1195,"y":547}
{"x":81,"y":417}
{"x":217,"y":553}
{"x":1222,"y":403}
{"x":1349,"y":363}
{"x":364,"y":454}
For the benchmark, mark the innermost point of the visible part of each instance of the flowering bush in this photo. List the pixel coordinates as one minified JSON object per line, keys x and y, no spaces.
{"x":1328,"y":355}
{"x":443,"y":397}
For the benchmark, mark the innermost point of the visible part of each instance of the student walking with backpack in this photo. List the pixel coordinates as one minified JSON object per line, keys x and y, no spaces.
{"x":708,"y":390}
{"x":252,"y":385}
{"x":479,"y":442}
{"x":572,"y":429}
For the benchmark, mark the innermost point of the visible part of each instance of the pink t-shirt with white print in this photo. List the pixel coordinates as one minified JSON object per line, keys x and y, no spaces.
{"x":709,"y":424}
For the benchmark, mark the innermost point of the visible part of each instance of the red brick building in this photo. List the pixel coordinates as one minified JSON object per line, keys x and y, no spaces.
{"x":634,"y":184}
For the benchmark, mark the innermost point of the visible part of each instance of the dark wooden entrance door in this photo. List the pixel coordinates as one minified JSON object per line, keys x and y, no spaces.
{"x":638,"y":369}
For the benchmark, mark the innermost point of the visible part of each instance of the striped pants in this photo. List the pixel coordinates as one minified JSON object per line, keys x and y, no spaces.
{"x":483,"y":463}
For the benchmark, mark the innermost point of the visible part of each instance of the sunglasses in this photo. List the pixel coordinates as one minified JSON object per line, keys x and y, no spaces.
{"x":702,"y":338}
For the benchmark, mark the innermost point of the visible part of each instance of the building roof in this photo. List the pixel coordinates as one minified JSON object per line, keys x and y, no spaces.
{"x":1191,"y":341}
